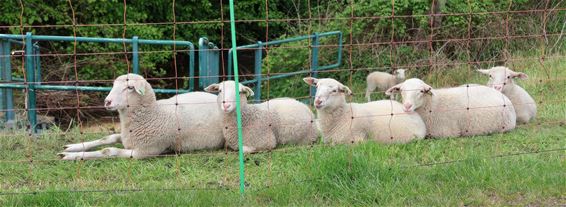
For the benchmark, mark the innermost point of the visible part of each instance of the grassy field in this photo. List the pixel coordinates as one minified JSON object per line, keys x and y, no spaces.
{"x":524,"y":167}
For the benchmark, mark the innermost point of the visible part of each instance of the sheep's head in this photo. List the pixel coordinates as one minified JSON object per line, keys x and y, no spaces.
{"x":399,"y":74}
{"x":329,"y":92}
{"x":227,"y":94}
{"x":413,"y":92}
{"x":501,"y":77}
{"x":130,"y":90}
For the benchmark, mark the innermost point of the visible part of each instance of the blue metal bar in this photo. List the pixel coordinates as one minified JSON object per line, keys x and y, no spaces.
{"x":135,"y":55}
{"x":30,"y":78}
{"x":7,"y":68}
{"x":95,"y":39}
{"x":314,"y":60}
{"x":257,"y":69}
{"x":37,"y":64}
{"x":2,"y":75}
{"x":191,"y":67}
{"x":81,"y":88}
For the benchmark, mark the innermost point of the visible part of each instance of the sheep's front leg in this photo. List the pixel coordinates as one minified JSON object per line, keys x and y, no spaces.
{"x":109,"y":152}
{"x":84,"y":146}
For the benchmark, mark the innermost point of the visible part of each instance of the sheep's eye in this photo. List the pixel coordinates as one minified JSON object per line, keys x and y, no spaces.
{"x":490,"y":76}
{"x":334,"y":91}
{"x":508,"y":77}
{"x":422,"y":91}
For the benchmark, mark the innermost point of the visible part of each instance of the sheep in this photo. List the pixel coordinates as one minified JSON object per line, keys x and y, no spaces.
{"x":501,"y":79}
{"x":182,"y":123}
{"x":383,"y":121}
{"x":458,"y":111}
{"x":383,"y":81}
{"x":265,"y":125}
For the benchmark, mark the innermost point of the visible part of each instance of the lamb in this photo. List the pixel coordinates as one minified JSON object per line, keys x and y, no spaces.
{"x":458,"y":111}
{"x":501,"y":79}
{"x":383,"y":81}
{"x":265,"y":125}
{"x":383,"y":121}
{"x":182,"y":123}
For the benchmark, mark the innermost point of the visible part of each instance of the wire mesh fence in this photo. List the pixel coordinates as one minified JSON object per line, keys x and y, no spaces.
{"x":442,"y":43}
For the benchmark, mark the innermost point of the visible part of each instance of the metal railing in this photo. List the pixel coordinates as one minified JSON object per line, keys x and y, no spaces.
{"x":209,"y":63}
{"x":314,"y":67}
{"x":33,"y":72}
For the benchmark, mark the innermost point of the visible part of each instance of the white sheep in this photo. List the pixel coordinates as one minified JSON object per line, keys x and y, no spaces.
{"x":383,"y":121}
{"x":383,"y":81}
{"x":501,"y":79}
{"x":278,"y":121}
{"x":185,"y":122}
{"x":460,"y":111}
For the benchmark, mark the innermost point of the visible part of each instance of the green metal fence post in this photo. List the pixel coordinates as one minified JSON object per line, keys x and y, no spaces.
{"x":238,"y":108}
{"x":257,"y":69}
{"x":135,"y":55}
{"x":30,"y":78}
{"x":191,"y":67}
{"x":37,"y":64}
{"x":2,"y":91}
{"x":314,"y":60}
{"x":10,"y":116}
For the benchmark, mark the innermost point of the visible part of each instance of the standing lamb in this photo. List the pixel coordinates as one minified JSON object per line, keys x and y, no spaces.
{"x":278,"y":121}
{"x":383,"y":81}
{"x":185,"y":122}
{"x":459,"y":111}
{"x":383,"y":121}
{"x":501,"y":79}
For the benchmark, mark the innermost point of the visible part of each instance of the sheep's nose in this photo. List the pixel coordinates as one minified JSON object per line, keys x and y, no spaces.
{"x":226,"y":105}
{"x":498,"y":87}
{"x":317,"y":101}
{"x":107,"y":103}
{"x":407,"y":106}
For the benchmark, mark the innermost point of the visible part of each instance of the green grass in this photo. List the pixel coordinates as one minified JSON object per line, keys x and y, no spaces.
{"x":523,"y":167}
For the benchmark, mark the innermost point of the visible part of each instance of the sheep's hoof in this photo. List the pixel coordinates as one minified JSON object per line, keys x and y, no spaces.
{"x":73,"y":148}
{"x":61,"y":155}
{"x":66,"y":156}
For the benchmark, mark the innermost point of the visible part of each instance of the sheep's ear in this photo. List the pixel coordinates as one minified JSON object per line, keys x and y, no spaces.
{"x":520,"y":75}
{"x":393,"y":90}
{"x":311,"y":81}
{"x":484,"y":71}
{"x":345,"y":90}
{"x":213,"y":88}
{"x":247,"y":90}
{"x":427,"y":89}
{"x":139,"y":86}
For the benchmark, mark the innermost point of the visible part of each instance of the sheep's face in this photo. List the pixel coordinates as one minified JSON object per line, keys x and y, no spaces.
{"x":413,"y":93}
{"x":400,"y":74}
{"x":500,"y":78}
{"x":128,"y":90}
{"x":329,"y":92}
{"x":227,"y":94}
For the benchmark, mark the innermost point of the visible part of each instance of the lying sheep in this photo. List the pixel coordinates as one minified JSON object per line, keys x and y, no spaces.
{"x":382,"y":121}
{"x":459,"y":111}
{"x":185,"y":122}
{"x":295,"y":118}
{"x":501,"y":79}
{"x":278,"y":121}
{"x":383,"y":81}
